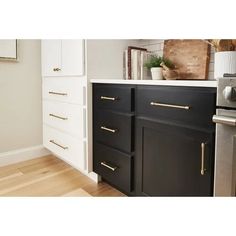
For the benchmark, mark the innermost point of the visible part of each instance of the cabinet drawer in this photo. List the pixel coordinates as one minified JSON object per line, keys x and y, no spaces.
{"x":66,"y":117}
{"x":114,"y":129}
{"x":113,"y":166}
{"x":187,"y":105}
{"x":68,"y":148}
{"x":113,"y":97}
{"x":64,"y":89}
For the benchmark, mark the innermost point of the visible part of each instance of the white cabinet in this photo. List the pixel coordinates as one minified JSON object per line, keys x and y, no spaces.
{"x":67,"y":67}
{"x":62,"y":57}
{"x":51,"y":57}
{"x":64,"y":100}
{"x":64,"y":89}
{"x":68,"y":148}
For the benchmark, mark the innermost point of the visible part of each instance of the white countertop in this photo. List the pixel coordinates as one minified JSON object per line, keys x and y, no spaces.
{"x":189,"y":83}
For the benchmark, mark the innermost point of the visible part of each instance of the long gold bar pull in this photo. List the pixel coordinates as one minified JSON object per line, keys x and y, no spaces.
{"x":57,"y":93}
{"x":108,"y":129}
{"x":108,"y":98}
{"x":103,"y":163}
{"x":58,"y":117}
{"x":203,"y":158}
{"x":63,"y":147}
{"x":169,"y":105}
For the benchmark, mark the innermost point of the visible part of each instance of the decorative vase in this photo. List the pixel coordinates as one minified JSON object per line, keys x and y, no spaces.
{"x":225,"y":62}
{"x":156,"y":73}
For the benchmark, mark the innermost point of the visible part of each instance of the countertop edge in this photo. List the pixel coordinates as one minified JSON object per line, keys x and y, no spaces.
{"x":188,"y":83}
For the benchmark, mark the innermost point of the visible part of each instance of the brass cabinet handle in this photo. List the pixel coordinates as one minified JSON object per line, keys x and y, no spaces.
{"x":169,"y":105}
{"x":108,"y":129}
{"x":108,"y":98}
{"x":63,"y":147}
{"x":203,"y":158}
{"x":59,"y":117}
{"x":56,"y":69}
{"x":113,"y":168}
{"x":57,"y":93}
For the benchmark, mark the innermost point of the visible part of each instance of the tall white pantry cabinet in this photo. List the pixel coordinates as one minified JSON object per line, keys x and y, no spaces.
{"x":67,"y":67}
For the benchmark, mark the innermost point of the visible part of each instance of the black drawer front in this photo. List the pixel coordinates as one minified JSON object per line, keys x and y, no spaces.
{"x":187,"y":105}
{"x":113,"y":166}
{"x":114,"y":129}
{"x":113,"y":97}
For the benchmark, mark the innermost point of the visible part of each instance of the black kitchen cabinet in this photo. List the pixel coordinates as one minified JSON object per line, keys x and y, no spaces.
{"x":154,"y":140}
{"x":113,"y":135}
{"x":174,"y":141}
{"x":169,"y":159}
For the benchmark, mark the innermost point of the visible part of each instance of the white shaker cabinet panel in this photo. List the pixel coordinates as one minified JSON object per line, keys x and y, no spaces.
{"x":63,"y":57}
{"x":73,"y":57}
{"x":51,"y":57}
{"x":65,"y":117}
{"x":64,"y":89}
{"x":68,"y":148}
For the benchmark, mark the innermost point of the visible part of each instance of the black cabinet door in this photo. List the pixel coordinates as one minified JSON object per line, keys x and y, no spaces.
{"x":169,"y":160}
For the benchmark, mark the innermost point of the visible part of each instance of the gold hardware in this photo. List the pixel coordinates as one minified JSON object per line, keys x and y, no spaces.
{"x":103,"y":163}
{"x":56,"y":69}
{"x":169,"y":105}
{"x":52,"y":141}
{"x":203,"y":158}
{"x":59,"y":117}
{"x":108,"y":129}
{"x":56,"y":93}
{"x":108,"y":98}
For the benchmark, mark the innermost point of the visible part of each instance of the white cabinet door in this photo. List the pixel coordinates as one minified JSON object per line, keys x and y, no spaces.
{"x":63,"y":57}
{"x":72,"y":57}
{"x":51,"y":57}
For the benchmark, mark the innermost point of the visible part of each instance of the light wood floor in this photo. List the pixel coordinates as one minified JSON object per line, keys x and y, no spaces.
{"x":49,"y":176}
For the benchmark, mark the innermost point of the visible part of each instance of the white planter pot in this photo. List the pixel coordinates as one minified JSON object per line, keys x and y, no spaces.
{"x":225,"y":62}
{"x":156,"y":73}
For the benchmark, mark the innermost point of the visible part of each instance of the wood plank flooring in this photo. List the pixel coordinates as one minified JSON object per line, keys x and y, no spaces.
{"x":49,"y":176}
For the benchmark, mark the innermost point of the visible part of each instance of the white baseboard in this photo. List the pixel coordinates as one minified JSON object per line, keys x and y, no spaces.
{"x":12,"y":157}
{"x":95,"y":177}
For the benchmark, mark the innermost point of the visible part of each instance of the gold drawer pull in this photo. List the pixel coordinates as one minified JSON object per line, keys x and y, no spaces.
{"x":169,"y":105}
{"x":203,"y":158}
{"x":103,"y":163}
{"x":108,"y":129}
{"x":56,"y":69}
{"x":56,"y":93}
{"x":59,"y":117}
{"x":52,"y":141}
{"x":108,"y":98}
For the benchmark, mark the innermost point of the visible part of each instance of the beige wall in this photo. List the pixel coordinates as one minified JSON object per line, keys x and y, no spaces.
{"x":20,"y":99}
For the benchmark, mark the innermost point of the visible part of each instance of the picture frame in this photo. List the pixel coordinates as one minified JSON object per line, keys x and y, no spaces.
{"x":8,"y":49}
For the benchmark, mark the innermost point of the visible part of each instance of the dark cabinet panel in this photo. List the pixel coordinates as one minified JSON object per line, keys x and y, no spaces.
{"x":114,"y":166}
{"x":113,"y":97}
{"x":169,"y":160}
{"x":154,"y":140}
{"x":114,"y":129}
{"x":113,"y":134}
{"x":191,"y":106}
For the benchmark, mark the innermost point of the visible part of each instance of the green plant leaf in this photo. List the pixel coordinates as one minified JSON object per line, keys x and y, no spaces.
{"x":155,"y":61}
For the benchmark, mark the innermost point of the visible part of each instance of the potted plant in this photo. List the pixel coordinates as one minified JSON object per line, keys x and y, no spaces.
{"x":154,"y":63}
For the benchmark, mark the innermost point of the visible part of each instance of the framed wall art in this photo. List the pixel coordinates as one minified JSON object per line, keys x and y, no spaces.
{"x":8,"y":49}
